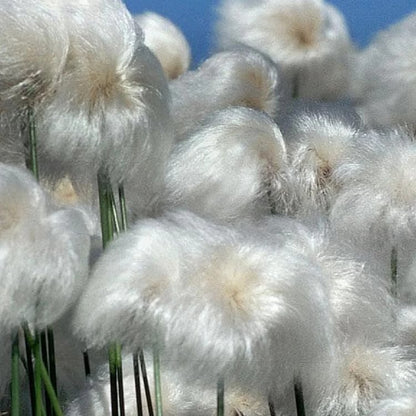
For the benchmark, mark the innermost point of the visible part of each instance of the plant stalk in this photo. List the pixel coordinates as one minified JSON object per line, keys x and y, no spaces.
{"x":15,"y":388}
{"x":139,"y":403}
{"x":158,"y":383}
{"x":220,"y":397}
{"x":146,"y":384}
{"x":300,"y":404}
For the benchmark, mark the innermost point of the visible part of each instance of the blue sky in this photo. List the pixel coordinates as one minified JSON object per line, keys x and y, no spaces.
{"x":196,"y":18}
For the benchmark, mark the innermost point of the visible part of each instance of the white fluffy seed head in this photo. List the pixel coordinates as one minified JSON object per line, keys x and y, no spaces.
{"x":402,"y":405}
{"x":218,"y":305}
{"x":386,"y":92}
{"x":178,"y":397}
{"x":131,"y":280}
{"x":242,"y":77}
{"x":111,"y":108}
{"x":22,"y":200}
{"x":136,"y":277}
{"x":234,"y":166}
{"x":34,"y":46}
{"x":44,"y":280}
{"x":241,"y":301}
{"x":378,"y":194}
{"x":406,"y":324}
{"x":361,"y":304}
{"x":318,"y":144}
{"x":367,"y":375}
{"x":308,"y":38}
{"x":167,"y":42}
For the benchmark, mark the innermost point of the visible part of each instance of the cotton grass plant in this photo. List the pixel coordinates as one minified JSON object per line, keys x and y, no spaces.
{"x":402,"y":405}
{"x":110,"y":111}
{"x":380,"y":199}
{"x":307,"y":38}
{"x":385,"y":93}
{"x":33,"y":52}
{"x":179,"y":397}
{"x":37,"y":290}
{"x":242,"y":77}
{"x":167,"y":42}
{"x":240,"y":329}
{"x":319,"y":143}
{"x":236,"y":148}
{"x":257,"y":267}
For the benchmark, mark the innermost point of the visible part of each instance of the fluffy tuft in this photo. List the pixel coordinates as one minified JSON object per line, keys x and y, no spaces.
{"x":234,"y":166}
{"x":366,"y":376}
{"x":111,"y":108}
{"x":217,"y":304}
{"x":402,"y":405}
{"x":308,"y":38}
{"x":179,"y":397}
{"x":34,"y":47}
{"x":45,"y":279}
{"x":376,"y":205}
{"x":386,"y":92}
{"x":130,"y":281}
{"x":167,"y":42}
{"x":237,"y":78}
{"x":318,"y":144}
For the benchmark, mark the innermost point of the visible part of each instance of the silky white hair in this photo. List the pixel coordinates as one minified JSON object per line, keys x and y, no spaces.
{"x":45,"y":279}
{"x":34,"y":47}
{"x":375,"y":208}
{"x":178,"y":397}
{"x":402,"y":405}
{"x":167,"y":42}
{"x":318,"y":143}
{"x":134,"y":277}
{"x":365,"y":376}
{"x":236,"y":78}
{"x":308,"y":38}
{"x":218,"y":304}
{"x":111,"y":108}
{"x":361,"y":304}
{"x":386,"y":92}
{"x":406,"y":324}
{"x":234,"y":166}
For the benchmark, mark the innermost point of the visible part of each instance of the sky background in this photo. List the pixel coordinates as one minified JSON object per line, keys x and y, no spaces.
{"x":196,"y":18}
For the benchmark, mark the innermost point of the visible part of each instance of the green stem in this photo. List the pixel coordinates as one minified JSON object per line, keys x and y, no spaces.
{"x":102,"y":179}
{"x":220,"y":397}
{"x":50,"y":390}
{"x":113,"y":213}
{"x":38,"y":375}
{"x":271,"y":407}
{"x":44,"y":349}
{"x":15,"y":411}
{"x":394,"y":271}
{"x":139,"y":403}
{"x":146,"y":384}
{"x":120,"y":379}
{"x":123,"y":207}
{"x":32,"y":158}
{"x":87,"y":367}
{"x":41,"y":374}
{"x":29,"y":362}
{"x":158,"y":384}
{"x":300,"y":404}
{"x":52,"y":362}
{"x":112,"y":362}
